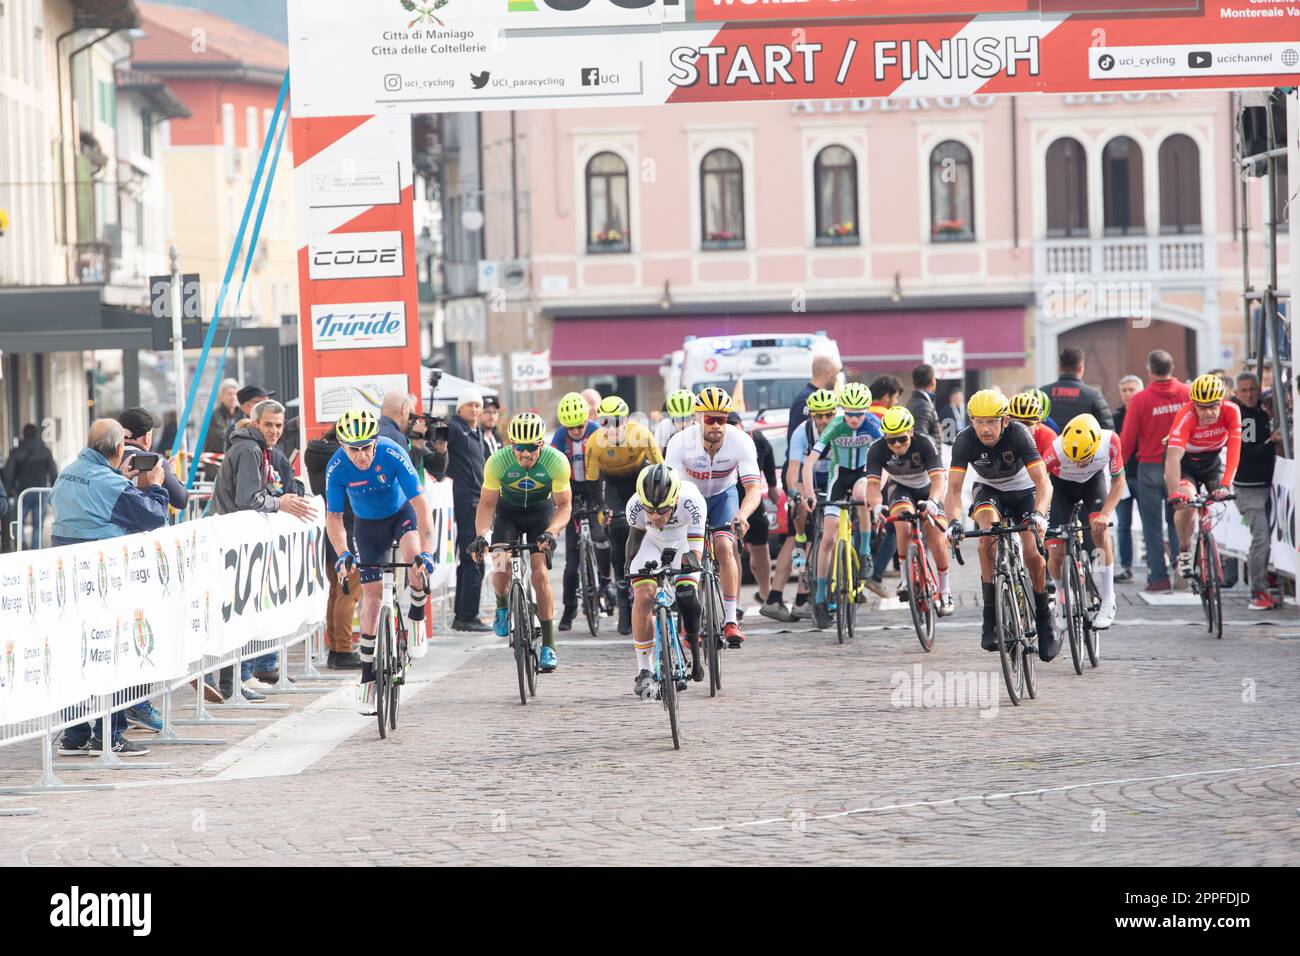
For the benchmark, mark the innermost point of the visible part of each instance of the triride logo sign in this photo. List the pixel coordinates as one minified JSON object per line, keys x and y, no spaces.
{"x":361,"y":325}
{"x":356,"y":255}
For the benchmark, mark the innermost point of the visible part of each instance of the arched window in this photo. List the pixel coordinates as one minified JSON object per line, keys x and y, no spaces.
{"x":952,"y":193}
{"x":1180,"y":185}
{"x":1067,"y":189}
{"x":835,"y":195}
{"x":607,"y":204}
{"x":722,"y":201}
{"x":1121,"y":181}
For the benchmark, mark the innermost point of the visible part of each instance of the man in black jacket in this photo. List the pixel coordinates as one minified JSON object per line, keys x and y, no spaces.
{"x":465,"y":462}
{"x":1070,"y":397}
{"x":30,"y":465}
{"x":340,"y":608}
{"x":138,"y":424}
{"x":921,"y":404}
{"x":1253,"y":485}
{"x":1129,"y":386}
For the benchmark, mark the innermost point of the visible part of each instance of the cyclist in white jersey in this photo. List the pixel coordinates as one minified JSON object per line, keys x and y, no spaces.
{"x":719,"y":459}
{"x":666,"y":514}
{"x":680,"y":414}
{"x":1079,"y":462}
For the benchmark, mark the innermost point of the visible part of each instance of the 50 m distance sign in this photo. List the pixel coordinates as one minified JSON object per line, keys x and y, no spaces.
{"x":530,"y":371}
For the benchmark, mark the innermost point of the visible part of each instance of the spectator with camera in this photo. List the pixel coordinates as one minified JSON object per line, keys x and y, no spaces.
{"x":138,"y":425}
{"x":101,"y":495}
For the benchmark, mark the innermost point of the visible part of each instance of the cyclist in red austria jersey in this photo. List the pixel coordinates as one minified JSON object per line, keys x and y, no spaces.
{"x":1202,"y":429}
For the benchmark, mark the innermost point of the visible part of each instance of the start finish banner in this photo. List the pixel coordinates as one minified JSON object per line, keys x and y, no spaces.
{"x":101,"y":617}
{"x":419,"y":56}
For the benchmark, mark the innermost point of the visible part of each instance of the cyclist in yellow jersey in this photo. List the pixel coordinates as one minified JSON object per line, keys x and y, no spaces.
{"x":615,"y":456}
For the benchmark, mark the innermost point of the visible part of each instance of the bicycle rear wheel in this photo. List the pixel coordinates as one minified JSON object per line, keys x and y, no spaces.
{"x":664,"y":635}
{"x":590,"y":588}
{"x":521,"y":635}
{"x":1074,"y":610}
{"x":1009,"y":644}
{"x":919,"y":599}
{"x":380,"y":667}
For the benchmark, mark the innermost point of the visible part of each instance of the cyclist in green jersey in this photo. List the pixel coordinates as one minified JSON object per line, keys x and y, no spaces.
{"x":526,"y":493}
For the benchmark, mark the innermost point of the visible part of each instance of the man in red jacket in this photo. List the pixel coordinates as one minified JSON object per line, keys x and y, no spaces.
{"x":1146,"y":426}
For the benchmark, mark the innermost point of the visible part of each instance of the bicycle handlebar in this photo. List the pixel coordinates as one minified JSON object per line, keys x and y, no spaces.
{"x":515,"y":547}
{"x":1001,"y":530}
{"x":380,"y":566}
{"x":1200,"y":501}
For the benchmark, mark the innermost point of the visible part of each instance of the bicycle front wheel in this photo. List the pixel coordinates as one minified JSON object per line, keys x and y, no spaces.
{"x":1091,"y":636}
{"x":397,"y":668}
{"x":521,"y":634}
{"x":1009,"y":644}
{"x":919,"y":599}
{"x":589,"y":585}
{"x":1213,"y":587}
{"x":844,"y":597}
{"x":380,"y":667}
{"x":667,"y":671}
{"x":711,"y":631}
{"x":1074,"y":610}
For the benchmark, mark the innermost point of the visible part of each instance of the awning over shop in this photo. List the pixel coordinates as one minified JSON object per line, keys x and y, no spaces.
{"x":636,"y":345}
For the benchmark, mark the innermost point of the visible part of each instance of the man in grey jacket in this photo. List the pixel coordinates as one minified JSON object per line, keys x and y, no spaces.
{"x":254,"y":476}
{"x":921,"y":404}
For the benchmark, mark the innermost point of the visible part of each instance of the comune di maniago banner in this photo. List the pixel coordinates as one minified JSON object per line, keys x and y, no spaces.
{"x":100,"y":617}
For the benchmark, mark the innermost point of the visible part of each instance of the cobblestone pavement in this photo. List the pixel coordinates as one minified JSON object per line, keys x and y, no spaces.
{"x":1180,"y":749}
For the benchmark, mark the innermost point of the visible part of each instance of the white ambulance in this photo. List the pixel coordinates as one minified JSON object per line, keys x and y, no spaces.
{"x":760,"y":371}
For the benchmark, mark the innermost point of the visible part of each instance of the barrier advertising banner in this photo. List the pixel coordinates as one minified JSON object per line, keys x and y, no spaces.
{"x":1233,"y":535}
{"x":99,"y":617}
{"x":420,"y":57}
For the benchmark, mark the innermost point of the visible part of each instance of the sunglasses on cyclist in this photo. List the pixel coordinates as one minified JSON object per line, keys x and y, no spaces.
{"x":714,"y":419}
{"x":529,"y":447}
{"x":823,"y":416}
{"x":896,"y":439}
{"x":849,"y":413}
{"x":368,"y":446}
{"x":662,"y":510}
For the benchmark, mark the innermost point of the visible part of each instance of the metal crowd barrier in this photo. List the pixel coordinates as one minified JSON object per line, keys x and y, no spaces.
{"x":41,"y":515}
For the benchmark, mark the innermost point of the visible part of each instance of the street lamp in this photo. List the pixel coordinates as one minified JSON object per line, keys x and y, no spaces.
{"x":666,"y":300}
{"x":896,"y":294}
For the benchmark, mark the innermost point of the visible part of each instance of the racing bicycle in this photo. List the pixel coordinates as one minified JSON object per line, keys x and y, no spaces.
{"x":846,"y":571}
{"x":711,"y":616}
{"x":589,"y":590}
{"x":392,"y":646}
{"x":1013,"y":606}
{"x":1079,"y":594}
{"x":922,"y":580}
{"x":525,"y":632}
{"x":1207,"y":569}
{"x":669,"y":661}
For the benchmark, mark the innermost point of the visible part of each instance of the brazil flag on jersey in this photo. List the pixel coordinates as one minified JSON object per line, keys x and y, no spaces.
{"x":524,"y":487}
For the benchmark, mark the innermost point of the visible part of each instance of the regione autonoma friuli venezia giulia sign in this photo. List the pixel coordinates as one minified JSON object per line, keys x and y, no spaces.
{"x":421,"y":56}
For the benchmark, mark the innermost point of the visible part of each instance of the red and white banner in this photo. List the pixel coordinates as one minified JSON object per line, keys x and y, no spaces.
{"x":388,"y":55}
{"x":356,"y":263}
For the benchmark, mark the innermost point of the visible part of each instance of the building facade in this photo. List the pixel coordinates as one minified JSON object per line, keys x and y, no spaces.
{"x":1020,"y":224}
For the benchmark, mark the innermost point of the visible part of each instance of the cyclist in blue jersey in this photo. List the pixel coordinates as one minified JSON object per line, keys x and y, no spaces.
{"x":377,"y":478}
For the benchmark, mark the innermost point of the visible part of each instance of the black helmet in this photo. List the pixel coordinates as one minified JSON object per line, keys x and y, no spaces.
{"x":657,"y":486}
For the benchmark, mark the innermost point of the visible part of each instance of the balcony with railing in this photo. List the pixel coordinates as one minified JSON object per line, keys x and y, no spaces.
{"x":1152,"y":258}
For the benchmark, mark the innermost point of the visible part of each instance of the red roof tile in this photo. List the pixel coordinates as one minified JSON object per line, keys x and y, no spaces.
{"x":171,"y":39}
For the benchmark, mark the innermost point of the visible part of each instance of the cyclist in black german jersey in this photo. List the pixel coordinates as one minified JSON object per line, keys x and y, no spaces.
{"x":1012,"y":488}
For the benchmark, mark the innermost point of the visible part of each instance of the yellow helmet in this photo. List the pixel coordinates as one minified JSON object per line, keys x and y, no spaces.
{"x":855,"y":397}
{"x":1081,"y":438}
{"x":680,"y":404}
{"x":526,"y":428}
{"x":986,"y":403}
{"x":357,"y":426}
{"x":572,"y":411}
{"x":822,"y":400}
{"x":713,"y":399}
{"x":1027,"y":406}
{"x":897,"y":420}
{"x":613,"y":407}
{"x":1207,"y":389}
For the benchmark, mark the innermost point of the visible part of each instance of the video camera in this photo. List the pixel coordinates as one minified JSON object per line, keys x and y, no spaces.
{"x":424,"y":425}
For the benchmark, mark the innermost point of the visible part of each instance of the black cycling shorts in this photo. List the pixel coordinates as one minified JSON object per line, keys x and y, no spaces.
{"x":845,"y":479}
{"x":1013,"y":507}
{"x":1066,"y":494}
{"x":895,"y":492}
{"x":513,"y":523}
{"x":375,"y":539}
{"x":760,"y":528}
{"x":1205,"y":471}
